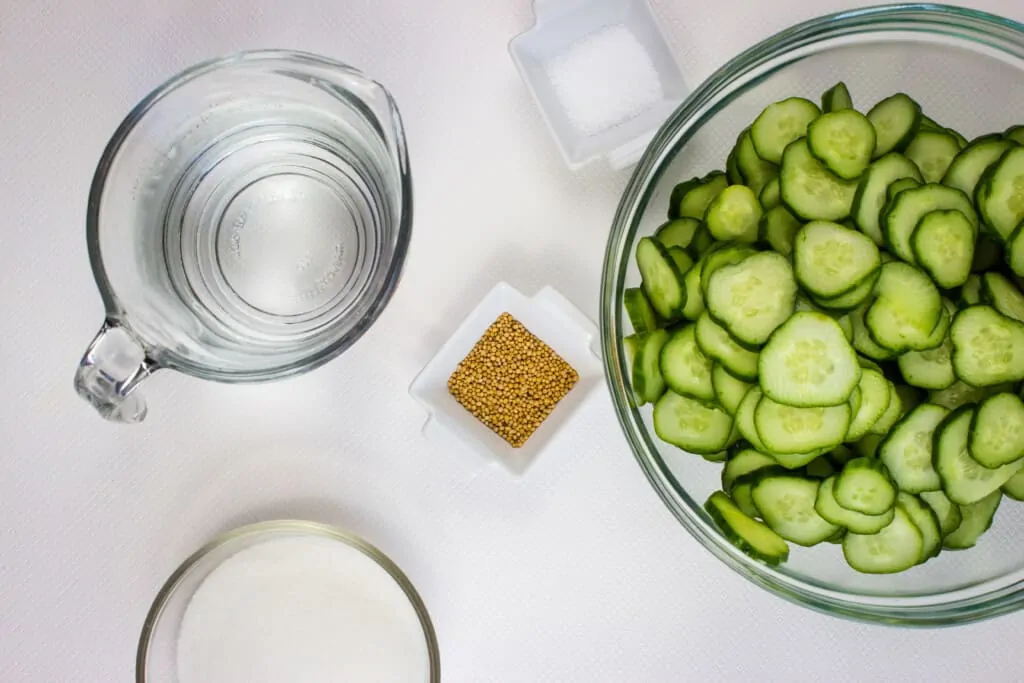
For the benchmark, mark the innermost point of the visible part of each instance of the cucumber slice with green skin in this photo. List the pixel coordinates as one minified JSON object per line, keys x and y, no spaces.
{"x":997,"y":431}
{"x":895,"y":548}
{"x":925,"y":521}
{"x":741,"y":495}
{"x":931,"y":369}
{"x":805,"y":304}
{"x":756,"y":171}
{"x":808,"y":363}
{"x":842,"y":140}
{"x":1015,"y":134}
{"x":638,"y":309}
{"x":988,"y":347}
{"x":964,"y":480}
{"x":716,"y":343}
{"x":871,"y":194}
{"x":970,"y":293}
{"x":910,"y":398}
{"x":969,"y":165}
{"x":836,"y":98}
{"x":648,"y":384}
{"x":960,"y":394}
{"x":1014,"y":487}
{"x":729,"y":390}
{"x":753,"y":297}
{"x":726,"y":255}
{"x":820,"y":468}
{"x":906,"y":311}
{"x":896,"y":120}
{"x":809,"y":189}
{"x":976,"y":520}
{"x":694,"y":305}
{"x":907,"y":450}
{"x":868,"y":446}
{"x":875,"y":396}
{"x":769,"y":197}
{"x":719,"y":457}
{"x":796,"y":461}
{"x":840,"y":455}
{"x":732,"y":169}
{"x":785,"y":429}
{"x":1000,"y":193}
{"x":631,"y":345}
{"x":960,"y":139}
{"x":826,"y":506}
{"x":780,"y":124}
{"x":1003,"y":295}
{"x":693,"y":425}
{"x":946,"y":511}
{"x":734,"y":214}
{"x":892,"y":414}
{"x":682,"y":260}
{"x":830,"y":260}
{"x":1015,"y":250}
{"x":943,"y":243}
{"x":778,"y":227}
{"x":749,"y":535}
{"x":911,"y":205}
{"x":678,"y":233}
{"x":786,"y":503}
{"x":701,"y":243}
{"x":930,"y":124}
{"x":744,"y":462}
{"x":662,"y":281}
{"x":898,"y":186}
{"x":853,"y":298}
{"x":691,"y":198}
{"x":745,"y":418}
{"x":933,"y":151}
{"x":864,"y":486}
{"x":684,"y":367}
{"x":854,"y":402}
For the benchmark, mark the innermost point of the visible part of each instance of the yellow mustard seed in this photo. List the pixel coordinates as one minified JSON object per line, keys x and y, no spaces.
{"x":511,"y":380}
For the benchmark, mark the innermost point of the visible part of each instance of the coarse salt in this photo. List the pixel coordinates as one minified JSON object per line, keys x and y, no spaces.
{"x":301,"y":609}
{"x":604,"y":78}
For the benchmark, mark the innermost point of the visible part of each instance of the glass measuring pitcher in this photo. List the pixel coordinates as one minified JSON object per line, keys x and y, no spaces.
{"x":247,"y":221}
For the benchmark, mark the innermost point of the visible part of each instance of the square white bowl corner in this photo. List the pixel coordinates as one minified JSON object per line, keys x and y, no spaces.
{"x":551,"y":318}
{"x":561,"y":23}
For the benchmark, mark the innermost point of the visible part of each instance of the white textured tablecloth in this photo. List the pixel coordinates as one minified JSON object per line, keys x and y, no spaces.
{"x":574,"y":573}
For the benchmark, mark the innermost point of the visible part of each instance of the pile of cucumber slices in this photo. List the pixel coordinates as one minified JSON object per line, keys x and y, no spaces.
{"x":838,"y":318}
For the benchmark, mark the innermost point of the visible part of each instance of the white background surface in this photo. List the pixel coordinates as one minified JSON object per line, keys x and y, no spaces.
{"x":574,"y":573}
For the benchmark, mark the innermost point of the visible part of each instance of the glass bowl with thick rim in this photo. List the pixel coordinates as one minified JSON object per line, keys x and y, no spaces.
{"x":966,"y":69}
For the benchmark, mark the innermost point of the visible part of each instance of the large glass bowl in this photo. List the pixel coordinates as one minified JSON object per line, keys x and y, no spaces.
{"x":966,"y":69}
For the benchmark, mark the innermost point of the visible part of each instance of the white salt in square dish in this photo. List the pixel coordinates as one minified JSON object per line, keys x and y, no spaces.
{"x":552,"y":319}
{"x":602,"y":74}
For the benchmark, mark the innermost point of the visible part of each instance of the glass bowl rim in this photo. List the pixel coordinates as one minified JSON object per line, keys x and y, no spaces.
{"x":294,"y":527}
{"x":992,"y":31}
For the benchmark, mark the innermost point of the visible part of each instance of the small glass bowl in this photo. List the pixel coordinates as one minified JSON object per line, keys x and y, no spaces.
{"x":966,"y":68}
{"x":156,"y":658}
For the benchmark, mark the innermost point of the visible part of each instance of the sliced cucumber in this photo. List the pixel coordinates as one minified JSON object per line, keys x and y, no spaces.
{"x":743,"y":462}
{"x":741,"y":495}
{"x":907,"y":450}
{"x":745,"y":418}
{"x":753,"y":297}
{"x":756,"y":171}
{"x":830,"y":260}
{"x":875,"y":396}
{"x":820,"y":468}
{"x":692,"y":198}
{"x":1000,"y":193}
{"x":1015,"y":134}
{"x":844,"y":141}
{"x":638,"y":309}
{"x":896,"y":120}
{"x":997,"y":431}
{"x":780,"y":124}
{"x":871,"y":197}
{"x":702,"y":241}
{"x":963,"y":480}
{"x":809,"y":189}
{"x":716,"y":343}
{"x":683,"y":261}
{"x":786,"y":503}
{"x":868,"y":446}
{"x":662,"y":281}
{"x":694,"y":305}
{"x":785,"y":429}
{"x":648,"y":384}
{"x":684,"y":367}
{"x":769,"y":197}
{"x":749,"y":535}
{"x":909,"y":206}
{"x":906,"y":311}
{"x":693,"y":425}
{"x":678,"y":233}
{"x":1015,"y":250}
{"x":836,"y":98}
{"x":970,"y":293}
{"x":729,"y":390}
{"x":1003,"y":295}
{"x":893,"y":549}
{"x":943,"y":244}
{"x":946,"y":511}
{"x":808,"y":363}
{"x":631,"y":345}
{"x":988,"y":347}
{"x":933,"y":151}
{"x":1014,"y":487}
{"x":778,"y":228}
{"x":897,"y":186}
{"x":826,"y":506}
{"x":864,"y":486}
{"x":960,"y":394}
{"x":969,"y":165}
{"x":724,"y":256}
{"x":925,"y":521}
{"x":976,"y":520}
{"x":734,"y":214}
{"x":892,"y":414}
{"x":851,"y":299}
{"x":931,"y":369}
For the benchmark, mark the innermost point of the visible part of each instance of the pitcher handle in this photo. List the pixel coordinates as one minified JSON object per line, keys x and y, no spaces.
{"x":110,"y":371}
